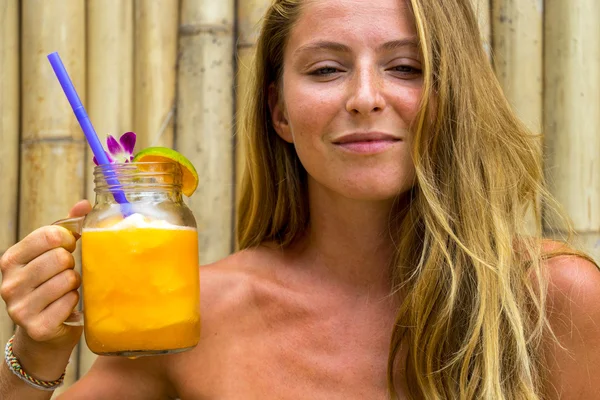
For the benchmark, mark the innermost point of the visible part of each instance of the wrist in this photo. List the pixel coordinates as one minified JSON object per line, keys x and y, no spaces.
{"x":42,"y":361}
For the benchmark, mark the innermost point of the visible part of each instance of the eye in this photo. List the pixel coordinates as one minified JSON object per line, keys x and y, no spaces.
{"x":406,"y":70}
{"x":325,"y":71}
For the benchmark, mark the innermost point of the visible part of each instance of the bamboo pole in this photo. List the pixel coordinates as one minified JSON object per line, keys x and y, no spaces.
{"x":518,"y":54}
{"x":483,"y":12}
{"x":572,"y":117}
{"x":9,"y":137}
{"x":518,"y":61}
{"x":109,"y":71}
{"x":109,"y":89}
{"x":52,"y":143}
{"x":154,"y":71}
{"x":250,"y":13}
{"x":204,"y":115}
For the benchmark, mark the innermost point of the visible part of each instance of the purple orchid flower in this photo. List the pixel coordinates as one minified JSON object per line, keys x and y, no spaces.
{"x":121,"y":151}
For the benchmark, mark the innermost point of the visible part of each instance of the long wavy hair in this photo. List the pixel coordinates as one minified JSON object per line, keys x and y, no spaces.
{"x":470,"y":272}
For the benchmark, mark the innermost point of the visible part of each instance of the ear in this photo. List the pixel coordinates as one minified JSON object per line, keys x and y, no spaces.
{"x":278,"y":114}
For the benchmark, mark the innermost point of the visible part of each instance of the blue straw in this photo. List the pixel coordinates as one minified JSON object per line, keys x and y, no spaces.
{"x":86,"y":126}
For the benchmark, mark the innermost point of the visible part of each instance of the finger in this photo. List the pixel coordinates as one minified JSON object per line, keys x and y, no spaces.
{"x":80,"y":209}
{"x":46,"y":266}
{"x":52,"y":290}
{"x":22,"y":281}
{"x":48,"y":324}
{"x":35,"y":244}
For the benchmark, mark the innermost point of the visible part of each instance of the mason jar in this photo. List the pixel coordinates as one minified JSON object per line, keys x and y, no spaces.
{"x":140,"y":269}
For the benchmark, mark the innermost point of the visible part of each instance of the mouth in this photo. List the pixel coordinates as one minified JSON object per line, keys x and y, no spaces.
{"x":366,"y":137}
{"x":367,"y":143}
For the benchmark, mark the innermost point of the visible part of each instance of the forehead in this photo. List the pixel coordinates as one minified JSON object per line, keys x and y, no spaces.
{"x":353,"y":20}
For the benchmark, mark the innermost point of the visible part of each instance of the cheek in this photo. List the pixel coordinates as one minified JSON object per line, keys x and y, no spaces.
{"x":407,"y":103}
{"x":310,"y":110}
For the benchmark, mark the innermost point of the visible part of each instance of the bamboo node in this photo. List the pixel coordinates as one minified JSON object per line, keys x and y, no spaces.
{"x":196,"y":29}
{"x":63,"y":139}
{"x":245,"y":45}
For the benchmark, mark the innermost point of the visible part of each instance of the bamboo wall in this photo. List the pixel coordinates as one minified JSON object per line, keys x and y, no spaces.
{"x":172,"y":71}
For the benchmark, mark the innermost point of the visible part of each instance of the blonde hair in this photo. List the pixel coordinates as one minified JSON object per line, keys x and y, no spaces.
{"x":474,"y":291}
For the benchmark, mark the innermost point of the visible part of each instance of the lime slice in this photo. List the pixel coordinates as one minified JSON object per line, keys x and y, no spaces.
{"x":164,"y":154}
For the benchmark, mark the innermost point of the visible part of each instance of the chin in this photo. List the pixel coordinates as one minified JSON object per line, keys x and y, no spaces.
{"x":376,"y":185}
{"x":374,"y":193}
{"x":372,"y":185}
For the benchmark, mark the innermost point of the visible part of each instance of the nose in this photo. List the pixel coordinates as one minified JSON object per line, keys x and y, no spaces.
{"x":365,"y":95}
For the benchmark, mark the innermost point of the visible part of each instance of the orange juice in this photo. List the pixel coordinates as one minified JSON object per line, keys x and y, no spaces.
{"x":140,"y":289}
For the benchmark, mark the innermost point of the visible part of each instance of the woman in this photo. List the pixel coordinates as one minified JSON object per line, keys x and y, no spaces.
{"x":381,"y":225}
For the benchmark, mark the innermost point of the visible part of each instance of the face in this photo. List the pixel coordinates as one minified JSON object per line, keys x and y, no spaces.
{"x":351,"y":87}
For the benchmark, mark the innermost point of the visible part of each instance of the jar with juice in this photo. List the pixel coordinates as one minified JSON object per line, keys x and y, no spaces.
{"x":140,"y":276}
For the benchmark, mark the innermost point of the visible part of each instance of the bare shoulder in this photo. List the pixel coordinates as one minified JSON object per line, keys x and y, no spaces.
{"x":233,"y":292}
{"x":574,"y":285}
{"x":574,"y":315}
{"x":232,"y":284}
{"x":227,"y":289}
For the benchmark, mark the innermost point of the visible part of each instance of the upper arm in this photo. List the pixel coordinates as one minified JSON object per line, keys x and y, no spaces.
{"x":574,"y":315}
{"x":116,"y":378}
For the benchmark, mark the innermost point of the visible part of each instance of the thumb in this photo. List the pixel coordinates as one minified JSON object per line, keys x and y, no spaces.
{"x":80,"y":209}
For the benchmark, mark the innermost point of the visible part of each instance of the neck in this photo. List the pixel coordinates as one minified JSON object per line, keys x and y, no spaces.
{"x":348,"y":241}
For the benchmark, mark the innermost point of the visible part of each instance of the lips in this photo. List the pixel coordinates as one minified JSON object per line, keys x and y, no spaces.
{"x":366,"y":137}
{"x":366,"y":143}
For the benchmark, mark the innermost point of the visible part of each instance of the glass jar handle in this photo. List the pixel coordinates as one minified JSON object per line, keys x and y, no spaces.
{"x":75,"y":226}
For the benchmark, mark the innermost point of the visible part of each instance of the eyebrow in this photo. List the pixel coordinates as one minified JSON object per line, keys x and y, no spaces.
{"x":396,"y":44}
{"x":342,"y":48}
